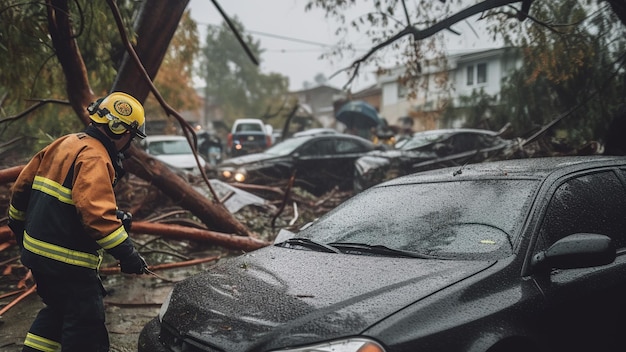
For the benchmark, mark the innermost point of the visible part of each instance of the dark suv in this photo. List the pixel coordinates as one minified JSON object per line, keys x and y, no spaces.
{"x":518,"y":255}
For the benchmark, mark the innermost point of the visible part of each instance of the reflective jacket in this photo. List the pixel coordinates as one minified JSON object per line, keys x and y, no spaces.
{"x":64,"y":206}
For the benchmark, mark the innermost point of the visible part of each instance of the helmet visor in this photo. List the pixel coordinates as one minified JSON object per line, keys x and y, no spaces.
{"x":134,"y":127}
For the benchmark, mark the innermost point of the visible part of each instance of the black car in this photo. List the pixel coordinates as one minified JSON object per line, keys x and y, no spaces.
{"x":517,"y":255}
{"x":320,"y":161}
{"x":429,"y":150}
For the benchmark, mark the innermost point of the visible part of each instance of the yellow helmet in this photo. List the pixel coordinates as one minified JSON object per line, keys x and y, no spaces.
{"x":121,"y":112}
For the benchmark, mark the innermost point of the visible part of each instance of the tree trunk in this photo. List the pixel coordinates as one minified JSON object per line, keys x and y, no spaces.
{"x":210,"y":212}
{"x":178,"y":232}
{"x":157,"y":23}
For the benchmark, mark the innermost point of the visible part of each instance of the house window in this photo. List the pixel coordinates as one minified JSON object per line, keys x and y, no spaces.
{"x":481,"y":73}
{"x":402,"y":90}
{"x":470,"y":75}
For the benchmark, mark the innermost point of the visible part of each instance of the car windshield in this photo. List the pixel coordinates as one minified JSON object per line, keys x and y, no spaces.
{"x":169,"y":147}
{"x":421,"y":139}
{"x":460,"y":220}
{"x":287,"y":146}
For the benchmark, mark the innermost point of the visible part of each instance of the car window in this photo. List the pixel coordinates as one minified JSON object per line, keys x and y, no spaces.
{"x":287,"y":146}
{"x":594,"y":203}
{"x":419,"y":140}
{"x":317,"y":148}
{"x":247,"y":127}
{"x":348,"y":146}
{"x":169,"y":147}
{"x":462,"y":219}
{"x":463,"y":142}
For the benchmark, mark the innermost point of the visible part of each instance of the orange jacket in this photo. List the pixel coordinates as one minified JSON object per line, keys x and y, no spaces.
{"x":64,"y":202}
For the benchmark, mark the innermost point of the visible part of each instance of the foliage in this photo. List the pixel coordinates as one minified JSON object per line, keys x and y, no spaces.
{"x":35,"y":73}
{"x":234,"y":82}
{"x":31,"y":70}
{"x":174,"y":80}
{"x":571,"y":67}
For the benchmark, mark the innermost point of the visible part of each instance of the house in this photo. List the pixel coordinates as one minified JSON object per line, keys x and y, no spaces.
{"x":319,"y":101}
{"x":443,"y":83}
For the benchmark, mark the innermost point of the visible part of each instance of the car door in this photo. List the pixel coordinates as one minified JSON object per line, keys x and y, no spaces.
{"x":329,"y":162}
{"x":585,"y":308}
{"x":312,"y":161}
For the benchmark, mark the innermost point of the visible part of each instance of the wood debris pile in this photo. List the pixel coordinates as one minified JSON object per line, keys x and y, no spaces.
{"x":169,"y":236}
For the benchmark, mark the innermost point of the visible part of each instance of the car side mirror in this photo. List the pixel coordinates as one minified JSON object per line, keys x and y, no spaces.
{"x":581,"y":250}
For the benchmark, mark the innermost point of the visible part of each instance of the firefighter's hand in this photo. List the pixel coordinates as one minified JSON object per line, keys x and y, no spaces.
{"x":134,"y":264}
{"x":127,"y":219}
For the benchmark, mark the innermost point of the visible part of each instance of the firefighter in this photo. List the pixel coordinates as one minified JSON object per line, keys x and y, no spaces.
{"x":63,"y":213}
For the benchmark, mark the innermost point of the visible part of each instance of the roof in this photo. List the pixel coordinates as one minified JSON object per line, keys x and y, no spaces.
{"x":456,"y":130}
{"x":164,"y":137}
{"x":534,"y":168}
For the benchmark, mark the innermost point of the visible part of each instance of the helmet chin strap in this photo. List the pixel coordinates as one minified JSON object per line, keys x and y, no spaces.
{"x":126,"y":146}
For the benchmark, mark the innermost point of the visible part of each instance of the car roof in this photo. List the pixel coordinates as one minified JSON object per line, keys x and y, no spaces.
{"x":315,"y":131}
{"x":248,"y":120}
{"x":329,"y":135}
{"x":457,"y":130}
{"x":536,"y":168}
{"x":164,"y":137}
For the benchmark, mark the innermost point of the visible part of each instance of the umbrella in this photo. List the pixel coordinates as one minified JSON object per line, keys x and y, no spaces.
{"x":358,"y":114}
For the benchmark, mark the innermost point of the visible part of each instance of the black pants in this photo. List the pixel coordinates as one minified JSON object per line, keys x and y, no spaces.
{"x":73,"y":318}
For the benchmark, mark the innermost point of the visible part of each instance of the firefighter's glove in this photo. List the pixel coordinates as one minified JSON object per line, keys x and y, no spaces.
{"x":127,"y":219}
{"x":133,"y":264}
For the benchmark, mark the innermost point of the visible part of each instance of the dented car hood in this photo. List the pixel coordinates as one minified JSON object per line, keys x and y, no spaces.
{"x":278,"y":297}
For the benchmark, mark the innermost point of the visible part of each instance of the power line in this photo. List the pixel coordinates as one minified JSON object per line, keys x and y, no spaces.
{"x":276,"y":36}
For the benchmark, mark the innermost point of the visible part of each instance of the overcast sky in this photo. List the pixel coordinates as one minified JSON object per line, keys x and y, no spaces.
{"x":292,"y":38}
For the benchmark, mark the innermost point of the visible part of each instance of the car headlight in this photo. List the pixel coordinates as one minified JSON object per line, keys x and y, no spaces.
{"x":240,"y":175}
{"x":165,"y":305}
{"x":345,"y":345}
{"x":227,"y":174}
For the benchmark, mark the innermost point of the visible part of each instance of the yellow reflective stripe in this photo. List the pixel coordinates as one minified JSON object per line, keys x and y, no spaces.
{"x":116,"y":237}
{"x":41,"y":343}
{"x":16,"y":214}
{"x":61,"y":254}
{"x":54,"y":189}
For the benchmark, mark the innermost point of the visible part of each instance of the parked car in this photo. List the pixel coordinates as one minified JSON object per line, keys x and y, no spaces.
{"x":428,"y":150}
{"x":321,"y":162}
{"x":174,"y":151}
{"x":516,"y":255}
{"x":248,"y":136}
{"x":314,"y":131}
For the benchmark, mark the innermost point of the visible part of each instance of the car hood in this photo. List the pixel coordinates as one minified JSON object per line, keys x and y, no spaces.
{"x":278,"y":297}
{"x":181,"y":161}
{"x":247,"y":159}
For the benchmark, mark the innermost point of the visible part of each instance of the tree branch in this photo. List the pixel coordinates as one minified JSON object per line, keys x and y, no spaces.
{"x":67,"y":52}
{"x":427,"y":32}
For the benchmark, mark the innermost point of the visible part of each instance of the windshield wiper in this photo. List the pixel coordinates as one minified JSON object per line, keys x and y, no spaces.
{"x":305,"y":242}
{"x":378,"y":249}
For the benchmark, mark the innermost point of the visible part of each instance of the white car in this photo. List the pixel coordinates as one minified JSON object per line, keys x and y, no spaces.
{"x":174,"y":151}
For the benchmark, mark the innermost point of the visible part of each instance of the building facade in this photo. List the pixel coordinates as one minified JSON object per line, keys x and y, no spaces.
{"x":443,"y":83}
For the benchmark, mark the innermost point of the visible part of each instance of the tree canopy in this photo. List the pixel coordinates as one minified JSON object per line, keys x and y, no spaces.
{"x":572,"y":49}
{"x":31,"y":70}
{"x":233,"y":81}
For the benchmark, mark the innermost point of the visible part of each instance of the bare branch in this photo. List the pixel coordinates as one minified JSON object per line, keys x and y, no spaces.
{"x":236,"y":32}
{"x":427,"y":32}
{"x":67,"y":52}
{"x":187,"y":128}
{"x":39,"y":103}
